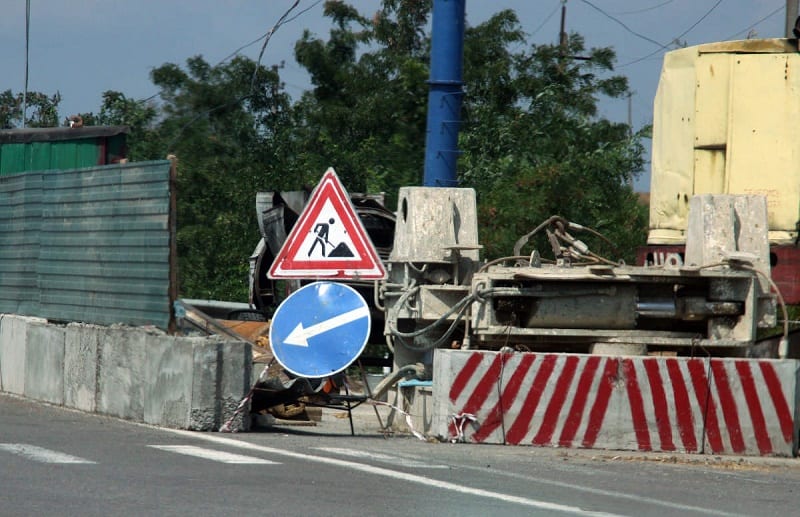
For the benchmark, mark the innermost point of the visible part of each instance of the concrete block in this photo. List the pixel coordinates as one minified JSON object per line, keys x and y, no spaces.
{"x":661,"y":404}
{"x":430,"y":221}
{"x":418,"y":402}
{"x":222,"y":378}
{"x":204,"y":414}
{"x":235,"y":382}
{"x":44,"y":363}
{"x":721,"y":224}
{"x":13,"y":335}
{"x":121,"y":373}
{"x":168,"y":390}
{"x":80,"y":366}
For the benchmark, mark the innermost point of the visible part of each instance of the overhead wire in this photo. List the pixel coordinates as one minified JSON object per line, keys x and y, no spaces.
{"x":552,"y":13}
{"x":644,"y":9}
{"x":684,"y":33}
{"x":281,"y":21}
{"x":246,"y":45}
{"x":754,"y":24}
{"x":623,"y":25}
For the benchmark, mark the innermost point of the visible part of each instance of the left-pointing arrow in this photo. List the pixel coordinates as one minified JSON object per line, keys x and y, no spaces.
{"x":299,"y":336}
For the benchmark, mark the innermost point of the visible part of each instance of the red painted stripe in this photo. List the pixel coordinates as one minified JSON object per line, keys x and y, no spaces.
{"x":522,"y":423}
{"x":727,"y":403}
{"x":637,"y":406}
{"x":660,"y":405}
{"x":776,"y":393}
{"x":598,"y":412}
{"x":579,"y":402}
{"x":495,"y":417}
{"x":683,"y":406}
{"x":550,"y":419}
{"x":697,"y":371}
{"x":465,"y":375}
{"x":484,"y":386}
{"x":754,"y":405}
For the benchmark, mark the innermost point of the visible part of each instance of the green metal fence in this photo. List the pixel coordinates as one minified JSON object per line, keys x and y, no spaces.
{"x":90,"y":245}
{"x":38,"y":149}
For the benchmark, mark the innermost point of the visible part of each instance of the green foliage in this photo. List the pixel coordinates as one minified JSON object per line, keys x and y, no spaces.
{"x":533,"y":143}
{"x":534,"y":146}
{"x":41,"y":109}
{"x":366,"y":114}
{"x":228,"y":127}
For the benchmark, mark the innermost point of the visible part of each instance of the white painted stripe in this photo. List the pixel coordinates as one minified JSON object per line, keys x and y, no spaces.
{"x":383,"y":458}
{"x":210,"y":454}
{"x":393,"y":474}
{"x":609,"y":493}
{"x":41,"y":454}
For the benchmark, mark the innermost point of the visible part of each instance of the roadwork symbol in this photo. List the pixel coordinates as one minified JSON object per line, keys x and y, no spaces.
{"x":328,"y":240}
{"x":321,"y":237}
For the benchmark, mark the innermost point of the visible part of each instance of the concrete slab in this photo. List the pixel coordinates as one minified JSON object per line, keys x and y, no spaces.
{"x":168,"y":390}
{"x":44,"y":363}
{"x":204,"y":411}
{"x":658,"y":404}
{"x":121,"y":373}
{"x":13,"y":330}
{"x":80,"y":366}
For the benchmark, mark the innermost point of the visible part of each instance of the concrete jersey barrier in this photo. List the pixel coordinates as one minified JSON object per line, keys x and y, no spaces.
{"x":137,"y":374}
{"x":659,"y":404}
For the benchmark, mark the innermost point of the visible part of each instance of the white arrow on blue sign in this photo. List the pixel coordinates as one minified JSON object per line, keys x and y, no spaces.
{"x":320,"y":329}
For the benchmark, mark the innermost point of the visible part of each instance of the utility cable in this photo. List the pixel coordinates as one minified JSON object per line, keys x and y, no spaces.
{"x":684,"y":33}
{"x":552,"y":13}
{"x":280,"y":22}
{"x":266,"y":34}
{"x":621,"y":23}
{"x":644,"y":9}
{"x":752,"y":26}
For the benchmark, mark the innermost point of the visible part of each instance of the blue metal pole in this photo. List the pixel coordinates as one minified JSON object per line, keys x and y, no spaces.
{"x":445,"y":94}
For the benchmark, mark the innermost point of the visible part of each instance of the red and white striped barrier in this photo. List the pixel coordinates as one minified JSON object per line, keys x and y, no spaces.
{"x":713,"y":406}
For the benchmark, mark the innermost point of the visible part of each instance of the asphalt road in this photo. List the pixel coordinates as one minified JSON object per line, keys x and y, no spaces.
{"x":60,"y":462}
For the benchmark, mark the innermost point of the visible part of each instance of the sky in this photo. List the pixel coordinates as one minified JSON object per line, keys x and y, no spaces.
{"x":82,"y":48}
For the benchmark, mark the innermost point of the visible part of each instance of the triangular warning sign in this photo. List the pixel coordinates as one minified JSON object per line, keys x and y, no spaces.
{"x":328,"y":239}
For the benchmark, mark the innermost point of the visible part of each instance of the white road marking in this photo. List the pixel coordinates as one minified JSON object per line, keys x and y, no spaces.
{"x":383,"y":458}
{"x":41,"y":454}
{"x":610,"y":493}
{"x":393,"y":474}
{"x":210,"y":454}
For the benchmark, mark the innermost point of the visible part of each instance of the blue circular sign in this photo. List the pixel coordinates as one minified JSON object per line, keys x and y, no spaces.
{"x":320,"y":329}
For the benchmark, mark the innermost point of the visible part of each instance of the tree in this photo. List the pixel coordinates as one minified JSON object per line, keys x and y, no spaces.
{"x":225,"y":123}
{"x":366,"y":112}
{"x":534,"y":145}
{"x":43,"y":109}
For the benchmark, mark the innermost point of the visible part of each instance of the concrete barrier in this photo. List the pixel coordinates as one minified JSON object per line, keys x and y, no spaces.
{"x":711,"y":406}
{"x":132,"y":373}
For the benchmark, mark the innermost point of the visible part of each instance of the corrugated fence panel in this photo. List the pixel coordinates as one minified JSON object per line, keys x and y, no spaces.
{"x":20,"y":222}
{"x":102,"y":245}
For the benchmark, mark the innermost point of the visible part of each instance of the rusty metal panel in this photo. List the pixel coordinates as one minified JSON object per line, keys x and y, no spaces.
{"x":723,"y":123}
{"x":763,"y":153}
{"x":101,"y":253}
{"x":671,"y":181}
{"x":712,"y":97}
